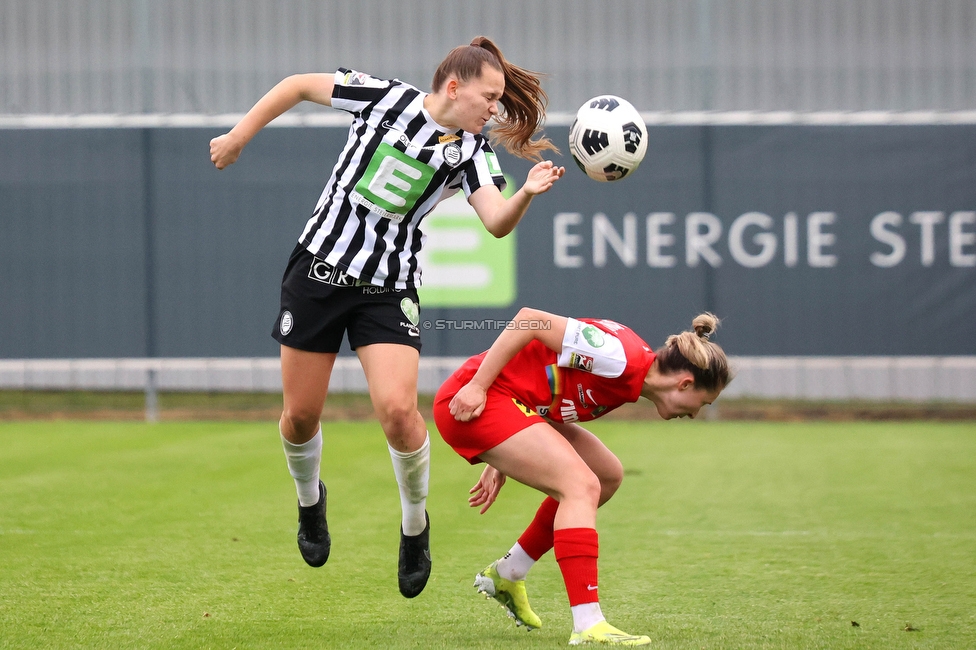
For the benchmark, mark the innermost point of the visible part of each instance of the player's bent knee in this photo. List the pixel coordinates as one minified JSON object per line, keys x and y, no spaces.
{"x":611,"y":476}
{"x":586,"y":487}
{"x":304,"y":422}
{"x":400,"y":415}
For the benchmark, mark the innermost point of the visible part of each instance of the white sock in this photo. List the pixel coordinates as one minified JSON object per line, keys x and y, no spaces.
{"x":412,"y":470}
{"x":303,"y":465}
{"x":586,"y":616}
{"x":516,"y":564}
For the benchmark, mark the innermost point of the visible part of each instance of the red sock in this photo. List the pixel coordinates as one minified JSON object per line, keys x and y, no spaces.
{"x":577,"y":550}
{"x":537,"y":538}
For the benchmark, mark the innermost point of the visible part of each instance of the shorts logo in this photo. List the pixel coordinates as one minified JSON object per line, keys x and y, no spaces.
{"x":522,"y":407}
{"x":321,"y":271}
{"x":411,"y":310}
{"x":287,"y":322}
{"x":328,"y":274}
{"x":376,"y":291}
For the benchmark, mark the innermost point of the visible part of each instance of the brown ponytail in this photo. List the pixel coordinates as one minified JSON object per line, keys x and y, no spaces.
{"x":692,"y":351}
{"x":524,"y":99}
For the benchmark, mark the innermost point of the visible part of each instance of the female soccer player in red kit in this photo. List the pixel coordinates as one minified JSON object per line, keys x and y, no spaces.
{"x":515,"y":408}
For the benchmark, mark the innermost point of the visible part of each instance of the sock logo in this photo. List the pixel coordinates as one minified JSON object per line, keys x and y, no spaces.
{"x":591,"y":587}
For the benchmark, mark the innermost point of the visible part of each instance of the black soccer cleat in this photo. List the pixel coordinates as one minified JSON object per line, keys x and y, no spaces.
{"x":413,"y":569}
{"x":313,"y":531}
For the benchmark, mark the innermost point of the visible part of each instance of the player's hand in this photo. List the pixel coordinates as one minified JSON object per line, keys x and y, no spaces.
{"x":224,"y":150}
{"x":468,"y":403}
{"x":486,"y":489}
{"x":541,"y":177}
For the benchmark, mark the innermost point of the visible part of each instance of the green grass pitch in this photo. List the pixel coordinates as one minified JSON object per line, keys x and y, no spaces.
{"x":723,"y":535}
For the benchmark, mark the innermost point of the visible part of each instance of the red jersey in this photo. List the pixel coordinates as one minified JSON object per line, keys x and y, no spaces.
{"x":602,"y":365}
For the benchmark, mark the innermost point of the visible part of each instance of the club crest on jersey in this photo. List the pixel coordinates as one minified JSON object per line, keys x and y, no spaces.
{"x":452,"y":154}
{"x":581,"y":362}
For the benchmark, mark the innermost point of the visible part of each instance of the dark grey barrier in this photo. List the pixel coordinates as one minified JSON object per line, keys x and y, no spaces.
{"x":832,"y":240}
{"x":807,"y":240}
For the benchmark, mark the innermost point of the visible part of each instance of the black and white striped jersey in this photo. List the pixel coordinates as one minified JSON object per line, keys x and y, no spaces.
{"x":396,"y":166}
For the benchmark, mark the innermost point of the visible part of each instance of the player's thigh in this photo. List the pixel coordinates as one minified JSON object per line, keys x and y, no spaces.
{"x":383,"y":332}
{"x":596,"y":455}
{"x":391,"y":373}
{"x":305,"y":384}
{"x":540,"y":457}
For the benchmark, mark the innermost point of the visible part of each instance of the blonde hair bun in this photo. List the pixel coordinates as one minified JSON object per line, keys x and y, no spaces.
{"x":705,"y":324}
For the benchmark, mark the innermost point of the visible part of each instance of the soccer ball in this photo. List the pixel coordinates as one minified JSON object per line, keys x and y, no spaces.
{"x":608,"y":138}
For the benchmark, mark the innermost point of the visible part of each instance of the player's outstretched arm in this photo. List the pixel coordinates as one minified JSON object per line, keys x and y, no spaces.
{"x":528,"y":325}
{"x":313,"y":87}
{"x":501,"y":215}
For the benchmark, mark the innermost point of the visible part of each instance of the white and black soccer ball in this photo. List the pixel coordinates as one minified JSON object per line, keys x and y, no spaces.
{"x":608,"y":138}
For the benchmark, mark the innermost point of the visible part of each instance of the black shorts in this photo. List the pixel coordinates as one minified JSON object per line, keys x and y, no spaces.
{"x":319,"y":303}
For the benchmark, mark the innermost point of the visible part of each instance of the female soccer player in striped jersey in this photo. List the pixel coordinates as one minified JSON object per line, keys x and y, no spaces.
{"x":355,"y":268}
{"x":516,"y":408}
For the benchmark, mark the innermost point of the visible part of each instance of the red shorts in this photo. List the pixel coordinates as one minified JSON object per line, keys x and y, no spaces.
{"x":503,"y":417}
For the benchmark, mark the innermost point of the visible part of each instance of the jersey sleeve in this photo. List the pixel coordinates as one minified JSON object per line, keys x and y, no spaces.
{"x":355,"y":91}
{"x":483,"y":169}
{"x":590,"y":349}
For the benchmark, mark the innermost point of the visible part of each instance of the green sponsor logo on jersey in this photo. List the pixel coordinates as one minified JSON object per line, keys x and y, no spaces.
{"x":593,"y":336}
{"x":493,"y":167}
{"x":394,"y":181}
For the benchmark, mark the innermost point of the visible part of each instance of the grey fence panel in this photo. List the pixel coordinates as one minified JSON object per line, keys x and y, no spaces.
{"x":72,"y":243}
{"x":223,"y":238}
{"x":833,"y":240}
